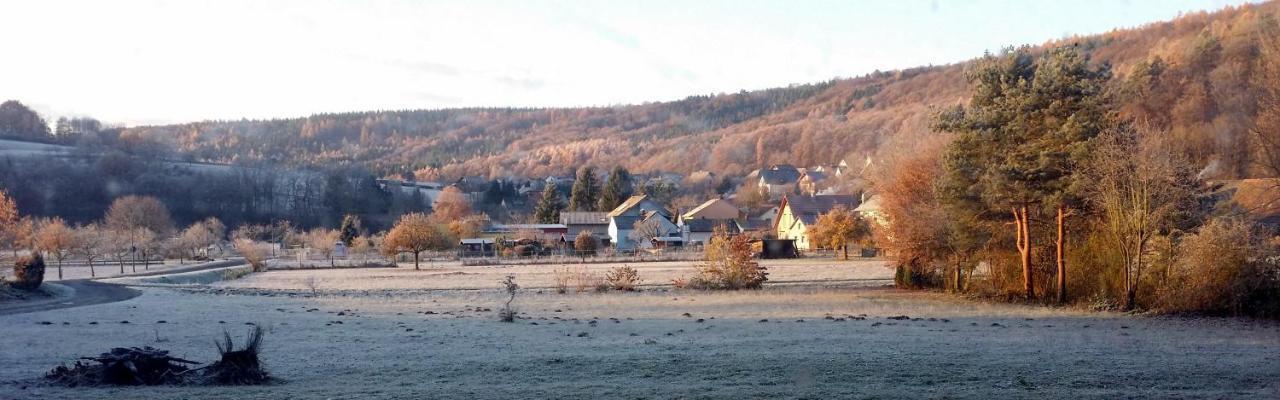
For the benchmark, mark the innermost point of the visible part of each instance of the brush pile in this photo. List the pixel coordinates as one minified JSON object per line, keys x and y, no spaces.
{"x":124,"y":366}
{"x":135,"y":366}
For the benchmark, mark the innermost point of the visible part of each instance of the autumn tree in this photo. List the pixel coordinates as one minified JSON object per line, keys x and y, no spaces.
{"x":415,"y":233}
{"x":586,"y":190}
{"x":1139,"y":186}
{"x":56,"y":239}
{"x":548,"y":209}
{"x":8,"y":221}
{"x":585,"y":244}
{"x":616,"y":190}
{"x":1020,"y":141}
{"x":1266,"y":129}
{"x":838,"y":228}
{"x":451,"y":205}
{"x":18,"y":121}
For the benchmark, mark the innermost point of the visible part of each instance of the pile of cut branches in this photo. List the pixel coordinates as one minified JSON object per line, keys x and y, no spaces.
{"x":133,"y":366}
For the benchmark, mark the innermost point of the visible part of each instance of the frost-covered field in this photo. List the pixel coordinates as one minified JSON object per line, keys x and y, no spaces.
{"x":359,"y":342}
{"x":452,"y":275}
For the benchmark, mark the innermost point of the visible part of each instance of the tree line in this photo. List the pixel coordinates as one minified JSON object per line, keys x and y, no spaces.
{"x":1040,"y":189}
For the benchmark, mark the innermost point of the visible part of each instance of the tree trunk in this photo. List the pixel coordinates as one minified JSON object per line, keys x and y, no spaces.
{"x":958,"y":278}
{"x":415,"y":261}
{"x":92,"y":274}
{"x":59,"y":269}
{"x":1062,"y":261}
{"x":845,"y":247}
{"x":1024,"y":249}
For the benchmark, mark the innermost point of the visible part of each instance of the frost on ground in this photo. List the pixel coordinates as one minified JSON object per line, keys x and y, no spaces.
{"x":787,"y":341}
{"x":452,"y":275}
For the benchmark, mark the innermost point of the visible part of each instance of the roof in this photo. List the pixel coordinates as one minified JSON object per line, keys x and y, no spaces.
{"x":709,"y":225}
{"x":633,"y":202}
{"x":712,"y":208}
{"x":781,"y":174}
{"x":808,"y":208}
{"x":584,"y":218}
{"x":815,"y":176}
{"x":477,"y":241}
{"x":871,"y":205}
{"x":625,"y":222}
{"x":752,"y":224}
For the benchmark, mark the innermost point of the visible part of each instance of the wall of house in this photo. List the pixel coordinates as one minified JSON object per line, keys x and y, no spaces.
{"x":790,"y":228}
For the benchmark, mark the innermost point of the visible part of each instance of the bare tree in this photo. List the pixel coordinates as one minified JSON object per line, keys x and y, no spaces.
{"x":129,"y":216}
{"x":324,"y":241}
{"x":1139,"y":185}
{"x":90,"y":244}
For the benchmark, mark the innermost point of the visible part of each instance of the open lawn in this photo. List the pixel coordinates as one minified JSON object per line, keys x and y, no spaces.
{"x":435,"y":334}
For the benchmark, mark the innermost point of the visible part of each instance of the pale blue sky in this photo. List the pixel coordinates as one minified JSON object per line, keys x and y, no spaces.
{"x":171,"y":61}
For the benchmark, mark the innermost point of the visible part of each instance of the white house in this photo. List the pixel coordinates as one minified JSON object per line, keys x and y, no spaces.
{"x":639,"y":208}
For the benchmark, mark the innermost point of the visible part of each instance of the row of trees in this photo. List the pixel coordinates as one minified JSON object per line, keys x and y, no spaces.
{"x":135,"y":229}
{"x":1042,"y":184}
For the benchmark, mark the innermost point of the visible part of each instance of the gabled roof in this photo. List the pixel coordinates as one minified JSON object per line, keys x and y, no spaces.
{"x":633,"y":202}
{"x":808,"y":208}
{"x":780,"y":174}
{"x":711,"y":208}
{"x":584,"y":218}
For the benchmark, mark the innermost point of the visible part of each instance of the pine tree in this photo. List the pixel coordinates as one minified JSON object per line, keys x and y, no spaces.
{"x":548,"y":209}
{"x":350,"y":229}
{"x":616,"y":190}
{"x":586,"y":190}
{"x":1026,"y":131}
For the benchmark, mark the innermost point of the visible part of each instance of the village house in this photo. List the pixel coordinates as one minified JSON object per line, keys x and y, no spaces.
{"x":778,"y":179}
{"x":638,"y":208}
{"x":812,"y":182}
{"x":798,"y":214}
{"x":586,"y":221}
{"x":697,"y":225}
{"x":869,"y":210}
{"x":546,"y":233}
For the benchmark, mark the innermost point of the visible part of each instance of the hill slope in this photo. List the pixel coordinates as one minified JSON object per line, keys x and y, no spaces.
{"x":1192,"y":76}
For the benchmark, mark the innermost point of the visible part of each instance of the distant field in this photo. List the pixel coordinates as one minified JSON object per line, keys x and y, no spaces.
{"x":452,"y":275}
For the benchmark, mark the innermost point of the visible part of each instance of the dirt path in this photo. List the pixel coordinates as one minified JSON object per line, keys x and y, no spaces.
{"x":87,"y":293}
{"x":90,"y":292}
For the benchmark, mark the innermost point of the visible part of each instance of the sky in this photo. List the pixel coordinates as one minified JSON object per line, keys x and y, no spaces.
{"x":149,"y":62}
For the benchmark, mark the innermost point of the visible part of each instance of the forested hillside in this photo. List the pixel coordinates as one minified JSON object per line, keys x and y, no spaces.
{"x":1193,"y":75}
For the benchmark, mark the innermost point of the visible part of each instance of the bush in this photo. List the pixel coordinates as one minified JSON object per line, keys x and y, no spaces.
{"x":729,"y":265}
{"x":916,"y":277}
{"x":508,"y":313}
{"x":624,"y":278}
{"x":525,"y":250}
{"x":1226,"y":268}
{"x":563,"y":277}
{"x":585,"y":280}
{"x":28,"y":272}
{"x":585,"y":244}
{"x":253,"y":253}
